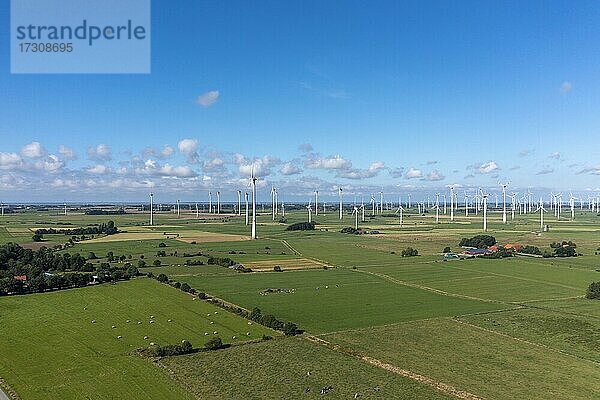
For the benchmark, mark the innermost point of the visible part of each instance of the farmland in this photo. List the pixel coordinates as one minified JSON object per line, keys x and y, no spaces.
{"x":412,"y":327}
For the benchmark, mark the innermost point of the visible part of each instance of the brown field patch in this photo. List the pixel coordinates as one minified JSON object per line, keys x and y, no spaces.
{"x":286,"y":265}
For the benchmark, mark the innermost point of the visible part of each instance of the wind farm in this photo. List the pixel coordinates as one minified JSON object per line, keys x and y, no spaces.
{"x":301,"y":200}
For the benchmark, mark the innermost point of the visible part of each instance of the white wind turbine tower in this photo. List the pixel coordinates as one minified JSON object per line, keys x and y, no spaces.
{"x":178,"y":210}
{"x":218,"y":202}
{"x":210,"y":209}
{"x":513,"y":205}
{"x":484,"y":197}
{"x":419,"y":207}
{"x":247,"y":212}
{"x":362,"y":208}
{"x":466,"y":204}
{"x":400,"y":211}
{"x":437,"y":213}
{"x":151,"y":209}
{"x":451,"y":203}
{"x":239,"y":192}
{"x":409,"y":200}
{"x":309,"y":209}
{"x":65,"y":208}
{"x":542,"y":210}
{"x":355,"y":213}
{"x":253,"y":183}
{"x":504,"y":186}
{"x":197,"y":211}
{"x":496,"y":194}
{"x":2,"y":206}
{"x":445,"y":208}
{"x":341,"y":202}
{"x":373,"y":204}
{"x":316,"y":202}
{"x":282,"y":209}
{"x":273,"y":202}
{"x":381,"y":202}
{"x":572,"y":204}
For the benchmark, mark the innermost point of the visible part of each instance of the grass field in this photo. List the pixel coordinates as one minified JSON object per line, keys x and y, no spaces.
{"x":497,"y":329}
{"x":51,"y":348}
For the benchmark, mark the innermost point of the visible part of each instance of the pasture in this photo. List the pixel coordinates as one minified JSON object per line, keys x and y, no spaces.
{"x":493,"y":328}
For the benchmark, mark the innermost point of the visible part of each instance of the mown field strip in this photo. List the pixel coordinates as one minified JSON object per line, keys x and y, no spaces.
{"x":441,"y":386}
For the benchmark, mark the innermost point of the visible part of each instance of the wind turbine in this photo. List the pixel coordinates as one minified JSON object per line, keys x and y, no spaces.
{"x":151,"y":209}
{"x":466,"y":204}
{"x":572,"y":204}
{"x":445,"y":208}
{"x":282,"y":209}
{"x":504,"y":185}
{"x":542,"y":210}
{"x":381,"y":202}
{"x":197,"y":211}
{"x":451,"y":203}
{"x":513,"y":205}
{"x":247,"y":213}
{"x":362,"y":208}
{"x":253,"y":183}
{"x":355,"y":213}
{"x":409,"y":200}
{"x":309,"y":209}
{"x":316,"y":202}
{"x":437,"y":213}
{"x":2,"y":206}
{"x":65,"y":208}
{"x":239,"y":193}
{"x":273,"y":202}
{"x":400,"y":211}
{"x":210,"y":209}
{"x":373,"y":204}
{"x":178,"y":210}
{"x":218,"y":202}
{"x":484,"y":197}
{"x":341,"y":202}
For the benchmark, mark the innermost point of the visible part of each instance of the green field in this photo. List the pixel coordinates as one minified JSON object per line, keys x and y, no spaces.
{"x":497,"y":329}
{"x":51,"y":348}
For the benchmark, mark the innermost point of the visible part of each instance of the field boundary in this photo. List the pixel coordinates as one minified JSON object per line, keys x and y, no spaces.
{"x":7,"y":392}
{"x":440,"y":386}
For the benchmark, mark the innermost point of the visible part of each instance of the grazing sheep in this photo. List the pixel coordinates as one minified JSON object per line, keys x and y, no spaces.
{"x":215,"y":332}
{"x":119,"y":337}
{"x":139,"y":322}
{"x":169,"y":320}
{"x":247,"y":333}
{"x":85,"y":308}
{"x":208,"y":315}
{"x":145,"y":337}
{"x":128,"y":321}
{"x":233,"y":337}
{"x":151,"y":343}
{"x":216,"y":312}
{"x":152,"y":316}
{"x":249,"y":323}
{"x":113,"y":327}
{"x":205,"y":333}
{"x":93,"y":321}
{"x":212,"y":322}
{"x":151,"y":321}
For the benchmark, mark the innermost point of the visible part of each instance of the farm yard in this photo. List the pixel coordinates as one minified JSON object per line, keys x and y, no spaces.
{"x":374,"y":323}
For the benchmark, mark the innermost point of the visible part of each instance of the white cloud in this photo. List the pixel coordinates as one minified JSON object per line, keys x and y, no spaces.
{"x":208,"y":99}
{"x":152,"y":168}
{"x":260,"y":166}
{"x":66,"y":152}
{"x":488,"y":167}
{"x":413,"y":173}
{"x":167,"y":151}
{"x":213,"y":165}
{"x":189,"y":148}
{"x":99,"y":153}
{"x":555,"y":155}
{"x":566,"y":87}
{"x":290,"y":169}
{"x":98,"y":169}
{"x":545,"y":171}
{"x":331,"y":162}
{"x":33,"y":150}
{"x":49,"y":164}
{"x":355,"y":173}
{"x":434,"y":175}
{"x":9,"y":161}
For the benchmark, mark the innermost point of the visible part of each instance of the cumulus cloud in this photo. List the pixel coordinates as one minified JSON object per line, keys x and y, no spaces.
{"x":488,"y":167}
{"x":566,"y":87}
{"x":98,"y":169}
{"x":331,"y":162}
{"x":355,"y":173}
{"x":189,"y":148}
{"x":260,"y":166}
{"x":434,"y":176}
{"x":99,"y":153}
{"x":10,"y":161}
{"x":413,"y":173}
{"x":290,"y":169}
{"x":590,"y":170}
{"x":208,"y":99}
{"x":152,"y":168}
{"x":555,"y":155}
{"x":33,"y":150}
{"x":66,"y":152}
{"x":51,"y":163}
{"x":215,"y":164}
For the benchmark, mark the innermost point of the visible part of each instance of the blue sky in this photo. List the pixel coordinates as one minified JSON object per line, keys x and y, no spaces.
{"x":409,"y":96}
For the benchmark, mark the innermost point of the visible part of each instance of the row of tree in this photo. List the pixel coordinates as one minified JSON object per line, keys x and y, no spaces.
{"x":103,"y":229}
